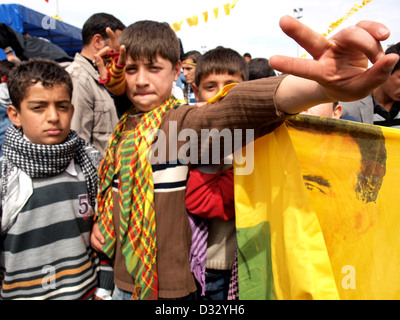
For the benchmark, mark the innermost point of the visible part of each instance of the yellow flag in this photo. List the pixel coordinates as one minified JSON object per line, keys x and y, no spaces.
{"x":193,"y":21}
{"x":216,"y":12}
{"x":177,"y":25}
{"x":227,"y":8}
{"x":316,"y":218}
{"x":205,"y":16}
{"x":281,"y":245}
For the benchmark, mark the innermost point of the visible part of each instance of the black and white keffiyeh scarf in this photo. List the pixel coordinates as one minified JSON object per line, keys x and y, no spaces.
{"x":40,"y":161}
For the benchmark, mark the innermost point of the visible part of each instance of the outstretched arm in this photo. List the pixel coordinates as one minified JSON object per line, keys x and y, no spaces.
{"x":339,"y":70}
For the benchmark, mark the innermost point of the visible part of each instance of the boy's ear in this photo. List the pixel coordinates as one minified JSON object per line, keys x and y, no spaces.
{"x":177,"y":70}
{"x":195,"y":91}
{"x":14,"y":115}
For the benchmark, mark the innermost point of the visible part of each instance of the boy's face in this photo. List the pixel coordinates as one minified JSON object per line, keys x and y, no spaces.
{"x":45,"y":114}
{"x":212,"y":84}
{"x":150,"y":84}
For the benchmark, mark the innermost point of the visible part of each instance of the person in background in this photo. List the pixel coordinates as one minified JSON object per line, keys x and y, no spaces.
{"x":188,"y":69}
{"x":260,"y":68}
{"x":5,"y":101}
{"x":329,"y":110}
{"x":95,"y":113}
{"x":247,"y":57}
{"x":382,"y":106}
{"x":18,"y":47}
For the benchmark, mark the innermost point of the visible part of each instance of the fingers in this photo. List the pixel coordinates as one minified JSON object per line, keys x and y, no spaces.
{"x":114,"y":40}
{"x":355,"y":38}
{"x":313,"y":42}
{"x":99,"y":63}
{"x":104,"y":52}
{"x":365,"y":37}
{"x":374,"y":76}
{"x":96,"y":238}
{"x":305,"y":68}
{"x":378,"y":30}
{"x":122,"y":56}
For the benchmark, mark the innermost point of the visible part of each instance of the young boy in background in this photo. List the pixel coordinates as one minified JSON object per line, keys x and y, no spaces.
{"x":209,"y":189}
{"x":142,"y":215}
{"x":49,"y":186}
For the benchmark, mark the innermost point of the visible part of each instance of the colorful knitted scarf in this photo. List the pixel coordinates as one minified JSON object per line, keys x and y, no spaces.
{"x":136,"y":199}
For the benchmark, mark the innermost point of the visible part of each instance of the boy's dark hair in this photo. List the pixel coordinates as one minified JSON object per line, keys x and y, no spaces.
{"x":260,"y":68}
{"x":5,"y":68}
{"x":221,"y":60}
{"x":394,"y":49}
{"x":97,"y":24}
{"x":28,"y":73}
{"x":147,"y":39}
{"x":193,"y":55}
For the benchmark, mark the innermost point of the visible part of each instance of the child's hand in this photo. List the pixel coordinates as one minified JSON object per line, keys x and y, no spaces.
{"x":200,"y":104}
{"x":96,"y":238}
{"x":104,"y":57}
{"x":100,"y":61}
{"x":340,"y":64}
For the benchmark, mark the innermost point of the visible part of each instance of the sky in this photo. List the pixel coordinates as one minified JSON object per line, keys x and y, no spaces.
{"x":252,"y":25}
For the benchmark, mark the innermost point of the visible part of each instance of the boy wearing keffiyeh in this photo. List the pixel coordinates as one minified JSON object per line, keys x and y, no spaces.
{"x":142,"y":217}
{"x":48,"y":191}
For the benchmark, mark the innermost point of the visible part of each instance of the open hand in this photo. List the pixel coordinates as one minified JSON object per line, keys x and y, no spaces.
{"x":340,"y":63}
{"x":102,"y":58}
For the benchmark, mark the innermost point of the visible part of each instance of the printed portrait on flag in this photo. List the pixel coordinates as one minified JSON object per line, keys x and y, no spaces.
{"x":338,"y":237}
{"x":343,"y":168}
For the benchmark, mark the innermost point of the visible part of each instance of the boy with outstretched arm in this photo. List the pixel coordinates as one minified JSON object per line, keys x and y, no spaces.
{"x":48,"y":191}
{"x":142,"y":216}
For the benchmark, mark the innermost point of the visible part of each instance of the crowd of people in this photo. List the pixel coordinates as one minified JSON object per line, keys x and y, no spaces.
{"x":87,"y":215}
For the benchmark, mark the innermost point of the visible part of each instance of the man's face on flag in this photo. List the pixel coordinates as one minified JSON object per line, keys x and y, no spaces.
{"x":330,"y":165}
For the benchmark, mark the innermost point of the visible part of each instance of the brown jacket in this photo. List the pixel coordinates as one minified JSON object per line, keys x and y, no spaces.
{"x":248,"y":105}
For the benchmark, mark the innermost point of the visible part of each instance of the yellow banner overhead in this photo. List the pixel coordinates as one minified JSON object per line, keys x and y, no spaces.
{"x":205,"y":16}
{"x":352,"y":11}
{"x":227,"y":9}
{"x":177,"y":25}
{"x":216,"y":13}
{"x":337,"y":23}
{"x":194,"y":20}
